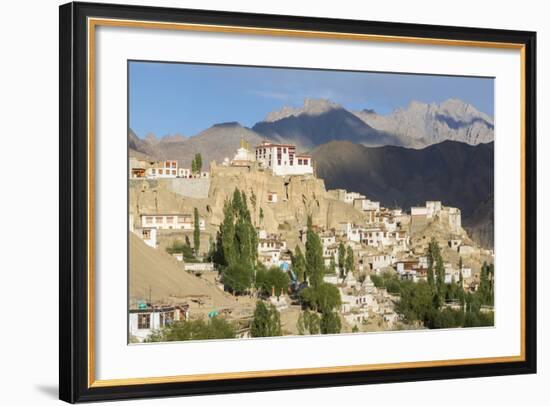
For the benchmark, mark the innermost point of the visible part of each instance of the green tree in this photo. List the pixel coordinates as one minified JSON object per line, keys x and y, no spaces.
{"x":237,"y":278}
{"x":324,"y":298}
{"x":350,"y":262}
{"x":330,"y":323}
{"x":416,"y":300}
{"x":441,"y":289}
{"x":237,"y":203}
{"x":198,"y":159}
{"x":196,"y":231}
{"x":196,"y":164}
{"x":299,"y":264}
{"x":211,"y":249}
{"x":237,"y":245}
{"x":272,"y":280}
{"x":308,"y":323}
{"x":215,"y":328}
{"x":227,"y":236}
{"x":342,"y":259}
{"x":185,"y":249}
{"x":315,"y":267}
{"x":266,"y":322}
{"x":243,"y":239}
{"x":436,"y":272}
{"x":431,"y":256}
{"x":253,"y":202}
{"x":485,"y":290}
{"x":332,"y":266}
{"x":328,"y":297}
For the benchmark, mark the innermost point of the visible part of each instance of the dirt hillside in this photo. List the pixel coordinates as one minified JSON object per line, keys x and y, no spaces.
{"x":156,"y":270}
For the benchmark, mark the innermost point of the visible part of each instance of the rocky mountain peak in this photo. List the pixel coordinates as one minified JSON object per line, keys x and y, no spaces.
{"x":312,"y":107}
{"x":228,"y":124}
{"x":421,"y":124}
{"x":151,"y":138}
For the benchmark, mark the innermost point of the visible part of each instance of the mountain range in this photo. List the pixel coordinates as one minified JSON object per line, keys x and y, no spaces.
{"x":319,"y":121}
{"x":421,"y":152}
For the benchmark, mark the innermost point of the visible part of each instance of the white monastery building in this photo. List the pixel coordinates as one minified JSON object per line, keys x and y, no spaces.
{"x":283,"y":160}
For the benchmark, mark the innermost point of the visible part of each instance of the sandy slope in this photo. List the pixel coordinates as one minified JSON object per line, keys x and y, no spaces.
{"x":155,"y":269}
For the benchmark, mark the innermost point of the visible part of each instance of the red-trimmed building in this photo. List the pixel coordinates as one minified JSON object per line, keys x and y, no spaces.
{"x":283,"y":160}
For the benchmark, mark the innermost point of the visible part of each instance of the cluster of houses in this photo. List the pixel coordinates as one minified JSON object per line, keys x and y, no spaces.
{"x":168,"y":169}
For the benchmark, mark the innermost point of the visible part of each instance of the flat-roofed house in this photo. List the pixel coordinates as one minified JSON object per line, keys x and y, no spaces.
{"x":163,"y":170}
{"x":171,"y":221}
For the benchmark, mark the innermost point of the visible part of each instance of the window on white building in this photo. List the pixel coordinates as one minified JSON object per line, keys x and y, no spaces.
{"x":144,"y":321}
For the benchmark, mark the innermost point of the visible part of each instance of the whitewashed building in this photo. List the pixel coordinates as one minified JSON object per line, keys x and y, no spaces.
{"x":379,"y":261}
{"x":419,"y":211}
{"x":283,"y":160}
{"x":162,"y":170}
{"x":149,"y":236}
{"x":142,"y":322}
{"x":365,"y":204}
{"x":171,"y":222}
{"x":184,"y":173}
{"x":433,"y":208}
{"x":350,"y":197}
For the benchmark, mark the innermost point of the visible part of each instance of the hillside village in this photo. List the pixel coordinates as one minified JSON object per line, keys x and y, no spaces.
{"x":323,"y":261}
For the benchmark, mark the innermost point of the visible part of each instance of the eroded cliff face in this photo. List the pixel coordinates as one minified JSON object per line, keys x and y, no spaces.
{"x":297,"y":197}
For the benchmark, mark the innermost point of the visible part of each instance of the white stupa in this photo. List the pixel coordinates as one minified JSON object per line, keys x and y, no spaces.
{"x":243,"y":157}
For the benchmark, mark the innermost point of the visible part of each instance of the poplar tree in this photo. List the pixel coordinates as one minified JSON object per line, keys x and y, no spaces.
{"x":330,"y":323}
{"x":198,"y":159}
{"x":227,"y":236}
{"x":299,"y":264}
{"x":342,"y":259}
{"x":238,"y":240}
{"x":332,"y":267}
{"x":266,"y":322}
{"x":315,"y":267}
{"x":431,"y":260}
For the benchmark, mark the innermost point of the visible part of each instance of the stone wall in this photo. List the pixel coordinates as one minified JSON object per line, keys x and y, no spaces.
{"x":194,"y":188}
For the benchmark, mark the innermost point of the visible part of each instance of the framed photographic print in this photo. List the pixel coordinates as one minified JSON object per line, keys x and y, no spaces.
{"x":258,"y":202}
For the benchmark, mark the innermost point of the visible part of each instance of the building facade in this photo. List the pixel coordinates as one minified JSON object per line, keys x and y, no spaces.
{"x":171,"y":222}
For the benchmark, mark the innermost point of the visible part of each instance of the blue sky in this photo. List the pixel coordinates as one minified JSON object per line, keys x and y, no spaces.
{"x":175,"y":98}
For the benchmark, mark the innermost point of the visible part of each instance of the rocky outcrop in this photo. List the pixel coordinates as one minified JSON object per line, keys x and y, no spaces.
{"x":297,"y":198}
